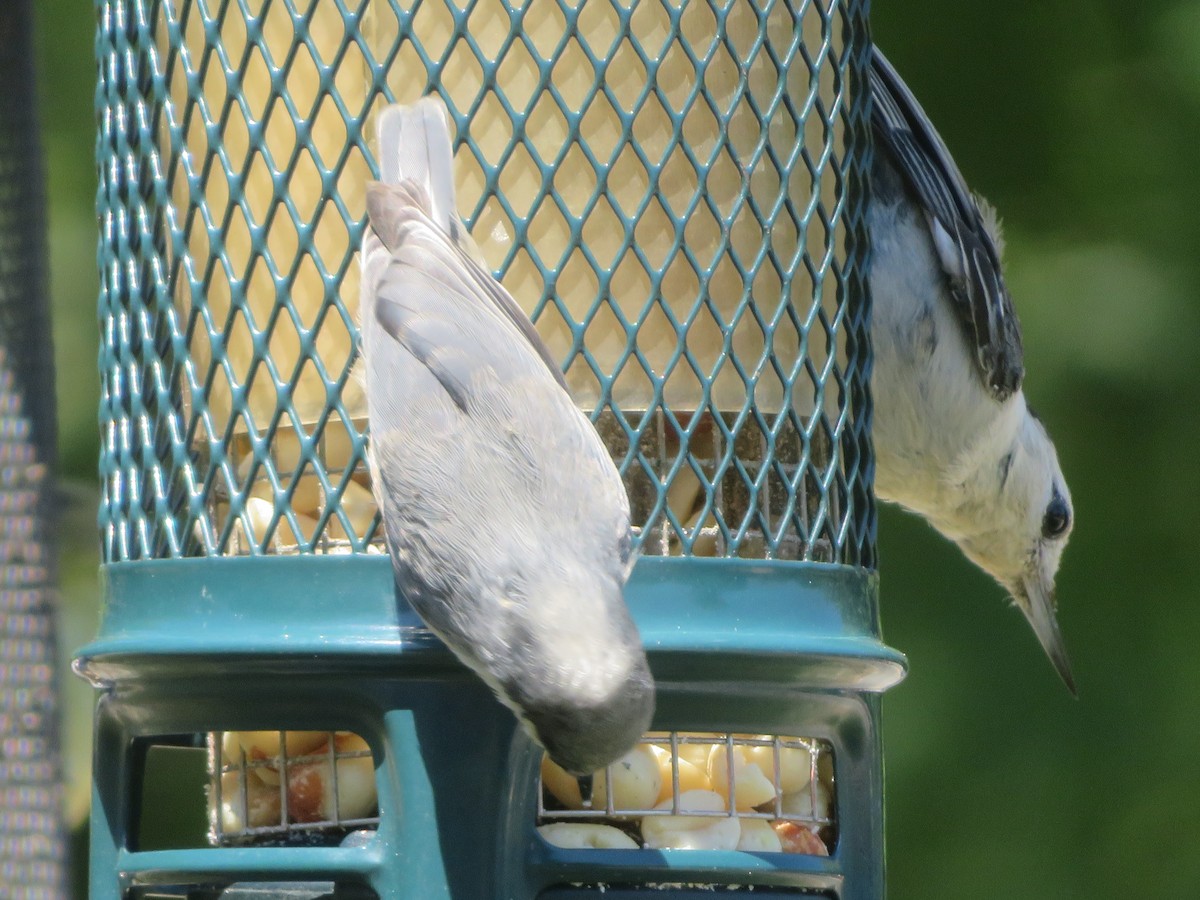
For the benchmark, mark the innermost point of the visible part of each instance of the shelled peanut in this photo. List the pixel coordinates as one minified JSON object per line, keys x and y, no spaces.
{"x":301,"y":493}
{"x":261,"y":770}
{"x":713,"y":793}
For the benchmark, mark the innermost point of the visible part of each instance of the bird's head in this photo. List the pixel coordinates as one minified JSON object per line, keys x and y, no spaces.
{"x":584,"y":738}
{"x":1026,"y":535}
{"x":581,"y":684}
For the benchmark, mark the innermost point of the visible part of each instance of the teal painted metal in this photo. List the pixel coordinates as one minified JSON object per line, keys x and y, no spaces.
{"x":757,"y":648}
{"x":800,"y":625}
{"x":694,"y":248}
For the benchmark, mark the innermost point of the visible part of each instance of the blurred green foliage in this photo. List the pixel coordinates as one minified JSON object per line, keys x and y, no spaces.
{"x":67,"y":81}
{"x":1079,"y":120}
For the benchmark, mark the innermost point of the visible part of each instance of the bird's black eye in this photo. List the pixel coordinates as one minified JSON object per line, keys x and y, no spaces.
{"x":1057,"y":519}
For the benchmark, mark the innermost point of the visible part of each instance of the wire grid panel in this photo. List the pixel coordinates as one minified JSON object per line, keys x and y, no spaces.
{"x":700,"y":791}
{"x":672,"y":190}
{"x":289,"y":786}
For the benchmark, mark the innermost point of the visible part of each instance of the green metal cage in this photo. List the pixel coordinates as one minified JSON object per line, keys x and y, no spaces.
{"x":675,"y":191}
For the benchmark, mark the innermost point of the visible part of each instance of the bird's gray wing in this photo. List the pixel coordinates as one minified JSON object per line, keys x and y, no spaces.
{"x":393,"y":208}
{"x":415,"y":146}
{"x":965,"y":247}
{"x":445,"y":310}
{"x":505,"y":303}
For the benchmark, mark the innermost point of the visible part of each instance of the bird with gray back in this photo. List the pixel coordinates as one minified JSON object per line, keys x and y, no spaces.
{"x":506,"y":520}
{"x":955,"y":440}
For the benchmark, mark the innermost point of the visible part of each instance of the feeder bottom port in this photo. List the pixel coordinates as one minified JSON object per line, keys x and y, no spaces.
{"x":289,"y":786}
{"x":675,"y":790}
{"x":698,"y":791}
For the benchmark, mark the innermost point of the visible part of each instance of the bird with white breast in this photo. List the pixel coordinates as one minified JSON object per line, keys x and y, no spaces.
{"x":955,"y":439}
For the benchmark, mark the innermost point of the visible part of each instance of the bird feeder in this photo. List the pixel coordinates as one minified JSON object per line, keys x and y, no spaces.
{"x":675,"y":193}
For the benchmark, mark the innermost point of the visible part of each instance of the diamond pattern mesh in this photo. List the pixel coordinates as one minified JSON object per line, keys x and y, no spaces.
{"x":672,"y":190}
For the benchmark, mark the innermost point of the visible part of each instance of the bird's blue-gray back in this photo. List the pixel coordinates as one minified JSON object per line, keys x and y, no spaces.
{"x":908,"y":145}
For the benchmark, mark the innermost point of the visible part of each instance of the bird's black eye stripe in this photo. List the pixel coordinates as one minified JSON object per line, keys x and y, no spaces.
{"x":1057,"y":518}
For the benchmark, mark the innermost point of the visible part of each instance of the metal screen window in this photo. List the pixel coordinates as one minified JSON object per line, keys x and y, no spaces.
{"x":699,"y":791}
{"x":672,"y":189}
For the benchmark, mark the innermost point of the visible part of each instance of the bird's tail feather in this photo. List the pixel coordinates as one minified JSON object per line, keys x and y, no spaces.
{"x":414,"y":145}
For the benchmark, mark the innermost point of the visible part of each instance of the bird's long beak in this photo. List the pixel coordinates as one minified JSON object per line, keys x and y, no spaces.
{"x":1039,"y":610}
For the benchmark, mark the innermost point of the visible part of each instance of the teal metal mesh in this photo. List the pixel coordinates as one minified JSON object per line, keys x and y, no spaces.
{"x":673,"y":190}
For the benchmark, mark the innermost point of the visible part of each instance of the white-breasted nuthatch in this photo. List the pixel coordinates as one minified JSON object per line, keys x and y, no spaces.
{"x":506,"y":520}
{"x":955,"y":440}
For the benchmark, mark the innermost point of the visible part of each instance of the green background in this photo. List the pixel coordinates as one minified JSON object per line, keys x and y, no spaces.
{"x":1080,"y":122}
